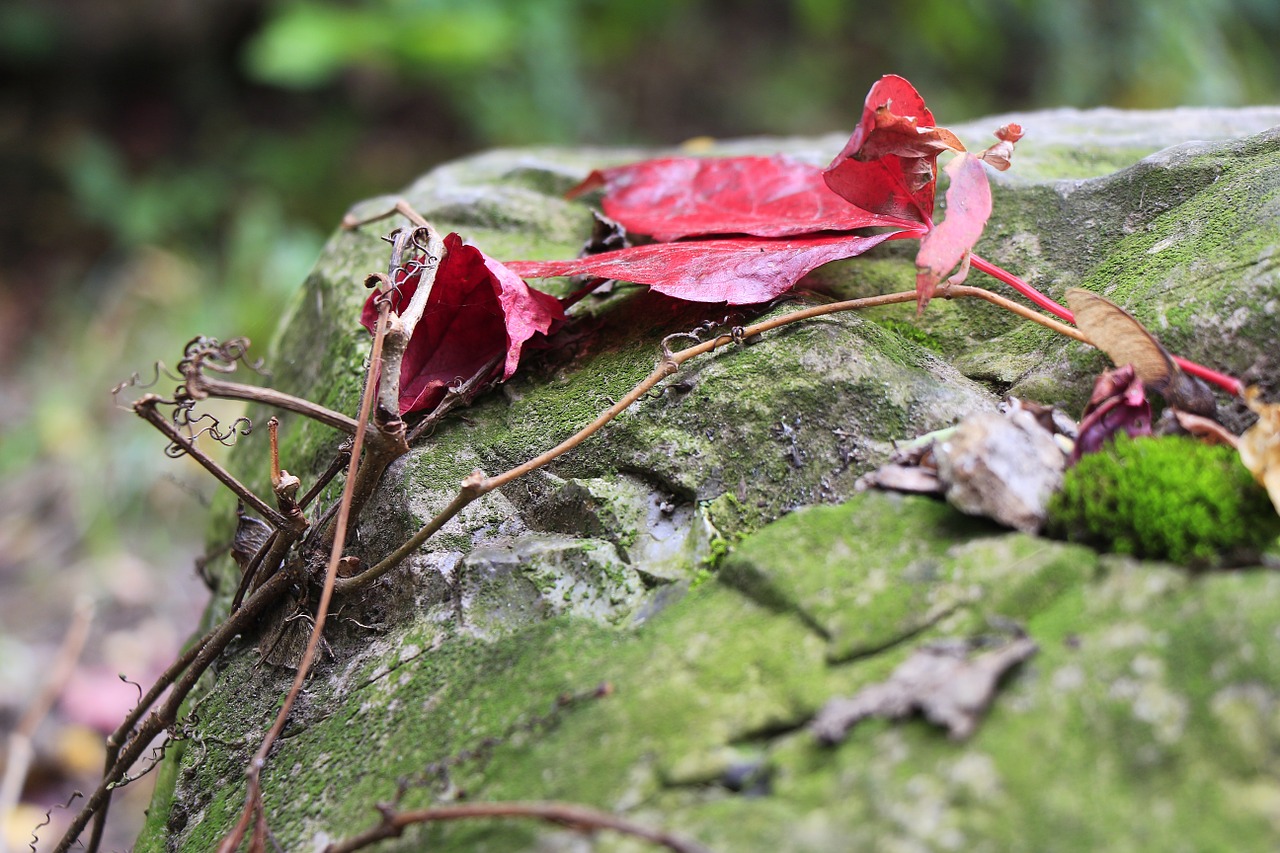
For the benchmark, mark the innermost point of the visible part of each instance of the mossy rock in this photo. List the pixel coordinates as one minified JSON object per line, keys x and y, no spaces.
{"x":708,"y":557}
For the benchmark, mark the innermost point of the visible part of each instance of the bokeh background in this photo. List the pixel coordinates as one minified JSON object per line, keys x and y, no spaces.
{"x":169,"y":169}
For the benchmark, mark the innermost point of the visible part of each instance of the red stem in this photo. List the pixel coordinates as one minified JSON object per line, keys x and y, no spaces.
{"x":1022,"y":287}
{"x":1224,"y":381}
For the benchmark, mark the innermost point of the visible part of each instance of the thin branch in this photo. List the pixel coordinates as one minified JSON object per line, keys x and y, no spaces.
{"x":400,"y":206}
{"x":459,"y":395}
{"x":434,"y":253}
{"x":200,"y":385}
{"x":145,"y":408}
{"x":478,"y":485}
{"x":953,"y":291}
{"x":253,"y":794}
{"x":571,"y":816}
{"x":335,"y":467}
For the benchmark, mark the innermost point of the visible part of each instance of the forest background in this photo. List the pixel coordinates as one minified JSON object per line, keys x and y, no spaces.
{"x":171,"y":169}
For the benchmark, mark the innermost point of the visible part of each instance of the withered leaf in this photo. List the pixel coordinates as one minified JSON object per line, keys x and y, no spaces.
{"x":1126,"y":341}
{"x":1260,"y":445}
{"x":940,"y":681}
{"x":251,"y":534}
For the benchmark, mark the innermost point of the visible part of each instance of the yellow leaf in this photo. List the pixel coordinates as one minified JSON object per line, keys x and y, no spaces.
{"x":1260,"y":445}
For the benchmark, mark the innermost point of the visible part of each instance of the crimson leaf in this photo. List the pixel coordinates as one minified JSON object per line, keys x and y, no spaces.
{"x":692,"y":197}
{"x":477,"y":310}
{"x":739,"y":271}
{"x":889,"y":165}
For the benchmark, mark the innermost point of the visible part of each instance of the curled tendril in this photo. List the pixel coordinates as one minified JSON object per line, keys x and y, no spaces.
{"x":402,"y":275}
{"x":202,"y":353}
{"x":424,"y":250}
{"x":212,"y":427}
{"x":667,"y":354}
{"x":156,"y":756}
{"x":135,"y":381}
{"x":48,"y":818}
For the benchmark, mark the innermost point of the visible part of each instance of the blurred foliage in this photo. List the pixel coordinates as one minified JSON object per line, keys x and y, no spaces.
{"x":170,"y":169}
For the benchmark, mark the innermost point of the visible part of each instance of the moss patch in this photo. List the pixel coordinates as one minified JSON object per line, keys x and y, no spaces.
{"x":1169,"y":498}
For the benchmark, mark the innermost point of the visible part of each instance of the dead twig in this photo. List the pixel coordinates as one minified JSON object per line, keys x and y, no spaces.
{"x":571,"y":816}
{"x":253,"y":808}
{"x":183,"y":675}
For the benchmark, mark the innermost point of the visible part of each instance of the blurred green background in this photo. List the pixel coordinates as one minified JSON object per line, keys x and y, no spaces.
{"x":171,"y":168}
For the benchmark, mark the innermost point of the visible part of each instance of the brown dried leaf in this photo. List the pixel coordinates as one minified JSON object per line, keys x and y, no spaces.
{"x":940,"y":681}
{"x":1126,"y":341}
{"x":1000,"y":154}
{"x":1260,"y":445}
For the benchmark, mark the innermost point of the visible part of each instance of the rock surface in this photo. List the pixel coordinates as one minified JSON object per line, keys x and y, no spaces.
{"x":1148,"y":719}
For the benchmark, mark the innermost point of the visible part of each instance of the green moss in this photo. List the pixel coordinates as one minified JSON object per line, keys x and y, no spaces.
{"x":913,"y":333}
{"x":1169,"y":498}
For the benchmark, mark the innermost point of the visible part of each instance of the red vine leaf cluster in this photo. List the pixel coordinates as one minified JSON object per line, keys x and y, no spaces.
{"x":738,"y":230}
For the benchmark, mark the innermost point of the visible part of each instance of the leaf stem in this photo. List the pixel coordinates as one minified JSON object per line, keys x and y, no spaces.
{"x":1226,"y":382}
{"x":572,"y":816}
{"x":1001,"y":274}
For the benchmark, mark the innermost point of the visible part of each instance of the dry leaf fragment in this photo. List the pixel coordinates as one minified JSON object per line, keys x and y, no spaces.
{"x":1002,"y":467}
{"x":940,"y":681}
{"x":1126,"y":341}
{"x":999,"y":155}
{"x":1260,"y":445}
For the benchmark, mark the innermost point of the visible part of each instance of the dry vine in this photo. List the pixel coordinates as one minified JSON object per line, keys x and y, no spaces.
{"x":295,"y":556}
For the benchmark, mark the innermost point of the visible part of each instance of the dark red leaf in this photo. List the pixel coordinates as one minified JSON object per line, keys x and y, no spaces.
{"x":1119,"y":402}
{"x":760,"y":196}
{"x":949,"y":242}
{"x":889,"y":165}
{"x":477,"y":309}
{"x":738,"y":271}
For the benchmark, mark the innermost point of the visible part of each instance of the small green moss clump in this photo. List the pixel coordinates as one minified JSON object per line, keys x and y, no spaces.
{"x":1170,"y":498}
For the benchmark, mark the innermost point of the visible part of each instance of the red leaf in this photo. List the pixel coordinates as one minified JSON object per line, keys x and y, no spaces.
{"x":477,"y":309}
{"x":692,"y":197}
{"x":738,"y":271}
{"x":949,"y":242}
{"x":889,"y":165}
{"x":1118,"y":402}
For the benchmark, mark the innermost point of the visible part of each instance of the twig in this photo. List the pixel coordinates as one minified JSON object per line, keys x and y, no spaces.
{"x":145,"y":408}
{"x":953,"y":291}
{"x":456,"y":396}
{"x":200,"y":386}
{"x":571,"y":816}
{"x":253,"y":795}
{"x":477,"y":484}
{"x":20,"y":752}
